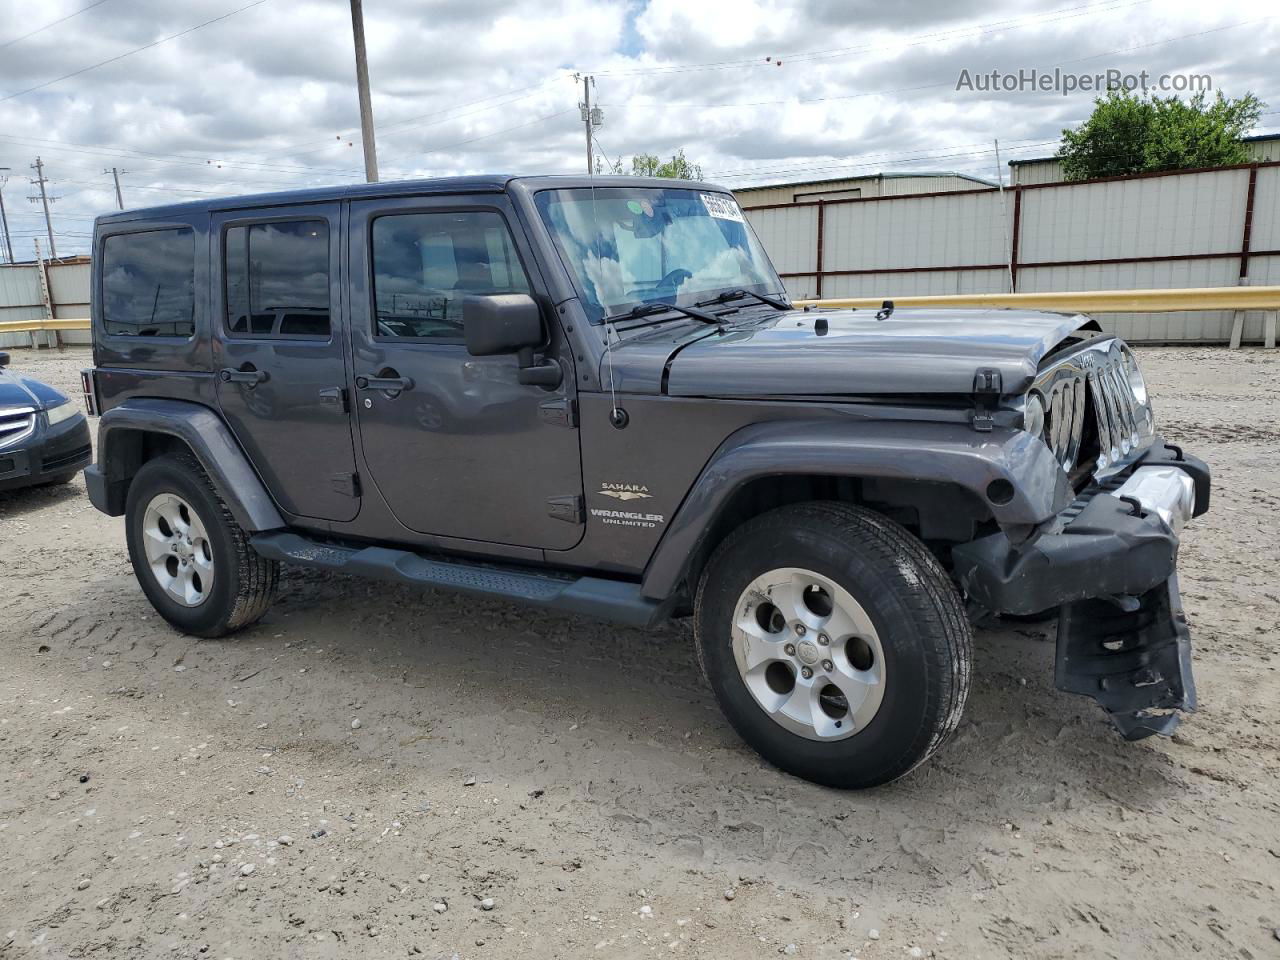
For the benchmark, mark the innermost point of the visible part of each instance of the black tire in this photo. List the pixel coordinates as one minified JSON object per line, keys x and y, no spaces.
{"x":59,"y":480}
{"x":245,"y":584}
{"x":913,"y":605}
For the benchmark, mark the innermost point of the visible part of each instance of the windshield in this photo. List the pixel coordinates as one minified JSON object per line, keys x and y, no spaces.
{"x":627,"y":246}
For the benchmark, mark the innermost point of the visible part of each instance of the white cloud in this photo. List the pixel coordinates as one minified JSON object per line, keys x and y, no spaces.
{"x":265,"y":99}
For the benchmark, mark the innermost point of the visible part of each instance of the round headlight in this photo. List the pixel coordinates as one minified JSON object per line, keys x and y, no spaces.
{"x":1137,"y":383}
{"x":1033,"y":415}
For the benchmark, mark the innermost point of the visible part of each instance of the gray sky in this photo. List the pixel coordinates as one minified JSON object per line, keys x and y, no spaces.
{"x":264,"y":99}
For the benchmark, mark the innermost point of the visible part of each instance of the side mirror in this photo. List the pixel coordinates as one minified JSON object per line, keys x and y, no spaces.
{"x":509,"y":323}
{"x":4,"y":359}
{"x":501,"y":323}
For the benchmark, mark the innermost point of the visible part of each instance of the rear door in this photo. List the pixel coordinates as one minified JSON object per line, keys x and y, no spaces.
{"x":460,"y":448}
{"x":279,"y":354}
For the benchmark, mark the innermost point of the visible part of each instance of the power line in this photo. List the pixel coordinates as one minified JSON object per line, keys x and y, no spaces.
{"x":52,"y":23}
{"x":173,"y":159}
{"x":129,"y":53}
{"x":926,"y":86}
{"x":407,"y":121}
{"x":440,"y":149}
{"x":485,"y":136}
{"x":976,"y":30}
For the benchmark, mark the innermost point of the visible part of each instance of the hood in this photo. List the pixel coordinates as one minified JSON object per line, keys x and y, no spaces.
{"x":19,"y":391}
{"x":843,"y":352}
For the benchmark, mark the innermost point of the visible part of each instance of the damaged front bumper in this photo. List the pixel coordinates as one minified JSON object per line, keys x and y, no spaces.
{"x":1109,"y":562}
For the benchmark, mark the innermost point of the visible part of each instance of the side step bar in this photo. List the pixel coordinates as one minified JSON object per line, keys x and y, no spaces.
{"x":612,"y":600}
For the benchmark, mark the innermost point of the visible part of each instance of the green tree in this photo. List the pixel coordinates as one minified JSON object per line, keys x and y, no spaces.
{"x":677,"y":168}
{"x":1127,"y":133}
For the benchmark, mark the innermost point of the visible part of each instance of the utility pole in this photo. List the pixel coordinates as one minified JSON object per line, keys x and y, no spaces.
{"x":4,"y":221}
{"x":44,"y":198}
{"x":116,"y":174}
{"x":592,"y":117}
{"x":362,"y":86}
{"x":1004,"y":215}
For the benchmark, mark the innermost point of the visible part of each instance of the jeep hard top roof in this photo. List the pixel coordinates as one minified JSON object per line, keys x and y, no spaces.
{"x":480,"y":183}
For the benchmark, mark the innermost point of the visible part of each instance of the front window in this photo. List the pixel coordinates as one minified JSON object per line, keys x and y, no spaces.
{"x":627,"y":246}
{"x":426,"y":264}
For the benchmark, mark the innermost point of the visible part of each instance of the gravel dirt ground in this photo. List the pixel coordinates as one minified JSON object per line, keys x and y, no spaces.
{"x":528,"y":785}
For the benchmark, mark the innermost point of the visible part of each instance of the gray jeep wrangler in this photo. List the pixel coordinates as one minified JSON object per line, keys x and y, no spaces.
{"x":596,"y":397}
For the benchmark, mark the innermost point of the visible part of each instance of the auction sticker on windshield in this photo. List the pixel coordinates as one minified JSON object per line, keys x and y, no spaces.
{"x":721,"y":207}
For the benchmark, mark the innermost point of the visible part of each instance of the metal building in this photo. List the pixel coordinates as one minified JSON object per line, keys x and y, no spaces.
{"x":51,"y":289}
{"x":1209,"y":228}
{"x":857,"y":188}
{"x":1262,"y":148}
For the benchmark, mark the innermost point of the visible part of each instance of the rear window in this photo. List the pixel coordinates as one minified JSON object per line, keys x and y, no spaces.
{"x":148,"y":283}
{"x":277,"y":279}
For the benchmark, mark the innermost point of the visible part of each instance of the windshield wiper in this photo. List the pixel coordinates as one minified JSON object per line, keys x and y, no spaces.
{"x":730,"y":295}
{"x":649,"y":309}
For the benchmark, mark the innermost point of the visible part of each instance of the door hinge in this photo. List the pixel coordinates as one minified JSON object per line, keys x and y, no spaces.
{"x":561,"y":412}
{"x":348,"y":484}
{"x":988,"y":386}
{"x":568,"y":509}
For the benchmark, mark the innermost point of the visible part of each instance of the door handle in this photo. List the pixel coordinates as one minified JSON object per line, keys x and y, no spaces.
{"x":251,"y":377}
{"x":389,"y":384}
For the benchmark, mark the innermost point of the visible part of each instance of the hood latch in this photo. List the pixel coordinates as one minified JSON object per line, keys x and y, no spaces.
{"x":988,"y":386}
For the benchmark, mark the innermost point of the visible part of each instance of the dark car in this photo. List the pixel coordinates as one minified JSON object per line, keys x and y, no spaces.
{"x":44,"y":437}
{"x":593,"y":395}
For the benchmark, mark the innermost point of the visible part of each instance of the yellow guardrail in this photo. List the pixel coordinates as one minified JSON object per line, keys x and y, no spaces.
{"x":35,"y":326}
{"x":1088,"y":301}
{"x":1091,"y":301}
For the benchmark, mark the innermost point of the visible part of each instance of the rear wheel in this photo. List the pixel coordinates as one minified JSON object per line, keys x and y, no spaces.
{"x":835,"y":643}
{"x":191,"y":558}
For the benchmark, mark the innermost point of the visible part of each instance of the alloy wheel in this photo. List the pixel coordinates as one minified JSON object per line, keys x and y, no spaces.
{"x":809,"y":654}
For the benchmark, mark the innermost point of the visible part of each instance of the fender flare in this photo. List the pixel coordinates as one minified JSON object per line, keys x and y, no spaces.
{"x":209,"y":439}
{"x":1037,"y":488}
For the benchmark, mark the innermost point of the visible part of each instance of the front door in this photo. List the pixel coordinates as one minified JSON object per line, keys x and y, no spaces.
{"x":279,"y":356}
{"x":456,"y":446}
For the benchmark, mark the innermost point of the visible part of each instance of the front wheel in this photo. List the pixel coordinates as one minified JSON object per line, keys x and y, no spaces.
{"x":835,"y":643}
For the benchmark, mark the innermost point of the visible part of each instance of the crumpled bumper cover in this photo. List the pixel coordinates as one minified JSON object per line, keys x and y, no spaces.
{"x":1112,"y":569}
{"x":1134,"y":660}
{"x":1111,"y":547}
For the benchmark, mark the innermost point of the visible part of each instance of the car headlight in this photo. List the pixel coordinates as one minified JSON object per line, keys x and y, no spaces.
{"x":1137,"y":383}
{"x":63,"y":411}
{"x":1033,"y":415}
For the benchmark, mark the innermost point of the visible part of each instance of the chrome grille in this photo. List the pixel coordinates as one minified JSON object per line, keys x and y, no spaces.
{"x":16,"y":423}
{"x":1099,"y":377}
{"x":1064,"y":417}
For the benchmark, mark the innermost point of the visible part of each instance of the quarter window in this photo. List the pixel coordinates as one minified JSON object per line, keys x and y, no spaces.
{"x":277,"y":277}
{"x":425,"y":263}
{"x":148,"y":283}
